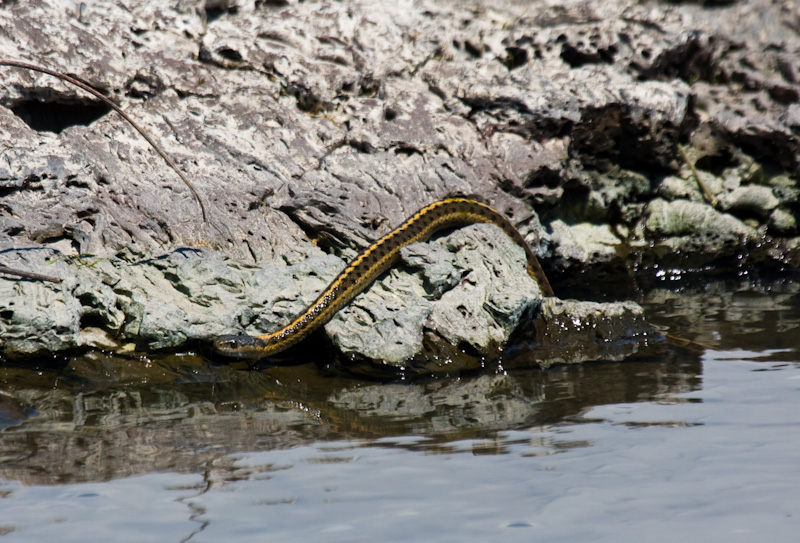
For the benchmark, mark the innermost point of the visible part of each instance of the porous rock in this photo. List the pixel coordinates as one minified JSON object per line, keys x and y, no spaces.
{"x":682,"y":217}
{"x":464,"y":299}
{"x":570,"y":331}
{"x":585,"y":242}
{"x":751,"y":200}
{"x":310,"y":123}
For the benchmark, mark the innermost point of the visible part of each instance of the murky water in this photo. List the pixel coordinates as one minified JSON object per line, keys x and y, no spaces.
{"x":675,"y":442}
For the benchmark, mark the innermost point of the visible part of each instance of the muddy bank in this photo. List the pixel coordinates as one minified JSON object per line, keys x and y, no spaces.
{"x":623,"y":140}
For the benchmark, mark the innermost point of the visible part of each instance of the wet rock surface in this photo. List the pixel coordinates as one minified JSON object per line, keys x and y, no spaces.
{"x":311,"y":129}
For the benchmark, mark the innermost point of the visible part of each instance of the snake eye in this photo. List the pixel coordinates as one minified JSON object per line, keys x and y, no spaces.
{"x":239,"y":346}
{"x":227,"y":344}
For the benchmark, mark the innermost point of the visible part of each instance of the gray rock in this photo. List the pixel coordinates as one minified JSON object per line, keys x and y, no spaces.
{"x":750,"y":200}
{"x":476,"y":295}
{"x":304,"y":123}
{"x":673,"y":187}
{"x":585,"y":243}
{"x":785,"y":189}
{"x":571,"y":331}
{"x":681,"y":217}
{"x":782,"y":222}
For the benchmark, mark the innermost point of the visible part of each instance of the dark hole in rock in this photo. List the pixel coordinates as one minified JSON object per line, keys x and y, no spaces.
{"x":515,"y":57}
{"x":716,"y":164}
{"x":212,"y":14}
{"x":406,"y":150}
{"x":273,"y":3}
{"x":6,"y":315}
{"x":469,"y":349}
{"x":474,"y":50}
{"x":91,"y":320}
{"x":577,"y":56}
{"x":230,"y":54}
{"x":56,"y":116}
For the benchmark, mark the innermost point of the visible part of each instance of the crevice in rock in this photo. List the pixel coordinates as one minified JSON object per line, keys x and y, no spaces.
{"x":31,"y":182}
{"x":408,"y":150}
{"x":272,"y":3}
{"x":215,"y":10}
{"x":717,"y":163}
{"x":231,"y":54}
{"x":577,"y":57}
{"x":57,"y":114}
{"x":92,"y":320}
{"x":144,"y":87}
{"x":14,"y":231}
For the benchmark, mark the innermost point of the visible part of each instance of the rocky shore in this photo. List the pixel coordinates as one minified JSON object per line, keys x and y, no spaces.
{"x":628,"y":141}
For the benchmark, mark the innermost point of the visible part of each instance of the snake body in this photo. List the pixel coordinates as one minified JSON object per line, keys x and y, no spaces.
{"x":376,"y":259}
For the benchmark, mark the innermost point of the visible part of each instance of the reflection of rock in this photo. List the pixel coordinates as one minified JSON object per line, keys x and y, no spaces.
{"x":490,"y":402}
{"x":13,"y":410}
{"x":729,"y":316}
{"x":104,"y":417}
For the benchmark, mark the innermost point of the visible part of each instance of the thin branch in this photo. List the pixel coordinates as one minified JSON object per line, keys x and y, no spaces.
{"x":29,"y":275}
{"x":115,"y":107}
{"x":707,"y":194}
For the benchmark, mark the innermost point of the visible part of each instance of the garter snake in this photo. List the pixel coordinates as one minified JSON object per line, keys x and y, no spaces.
{"x":375,"y":260}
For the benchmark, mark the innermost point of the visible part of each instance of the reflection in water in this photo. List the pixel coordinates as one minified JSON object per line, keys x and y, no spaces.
{"x":102,"y":417}
{"x":177,"y":429}
{"x":731,"y":316}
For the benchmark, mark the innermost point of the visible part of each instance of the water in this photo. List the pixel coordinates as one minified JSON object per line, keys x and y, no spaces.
{"x":675,"y":442}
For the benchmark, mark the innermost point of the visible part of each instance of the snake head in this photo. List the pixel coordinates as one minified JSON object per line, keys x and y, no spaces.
{"x":240,"y":347}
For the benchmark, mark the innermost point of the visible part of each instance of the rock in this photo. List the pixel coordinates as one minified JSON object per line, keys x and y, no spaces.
{"x":304,"y":124}
{"x":785,"y":189}
{"x":782,"y":223}
{"x":477,"y":293}
{"x":585,"y":243}
{"x":750,"y":200}
{"x":157,"y":303}
{"x":570,"y":331}
{"x":686,"y":188}
{"x":692,"y":236}
{"x":681,"y":217}
{"x":36,"y":317}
